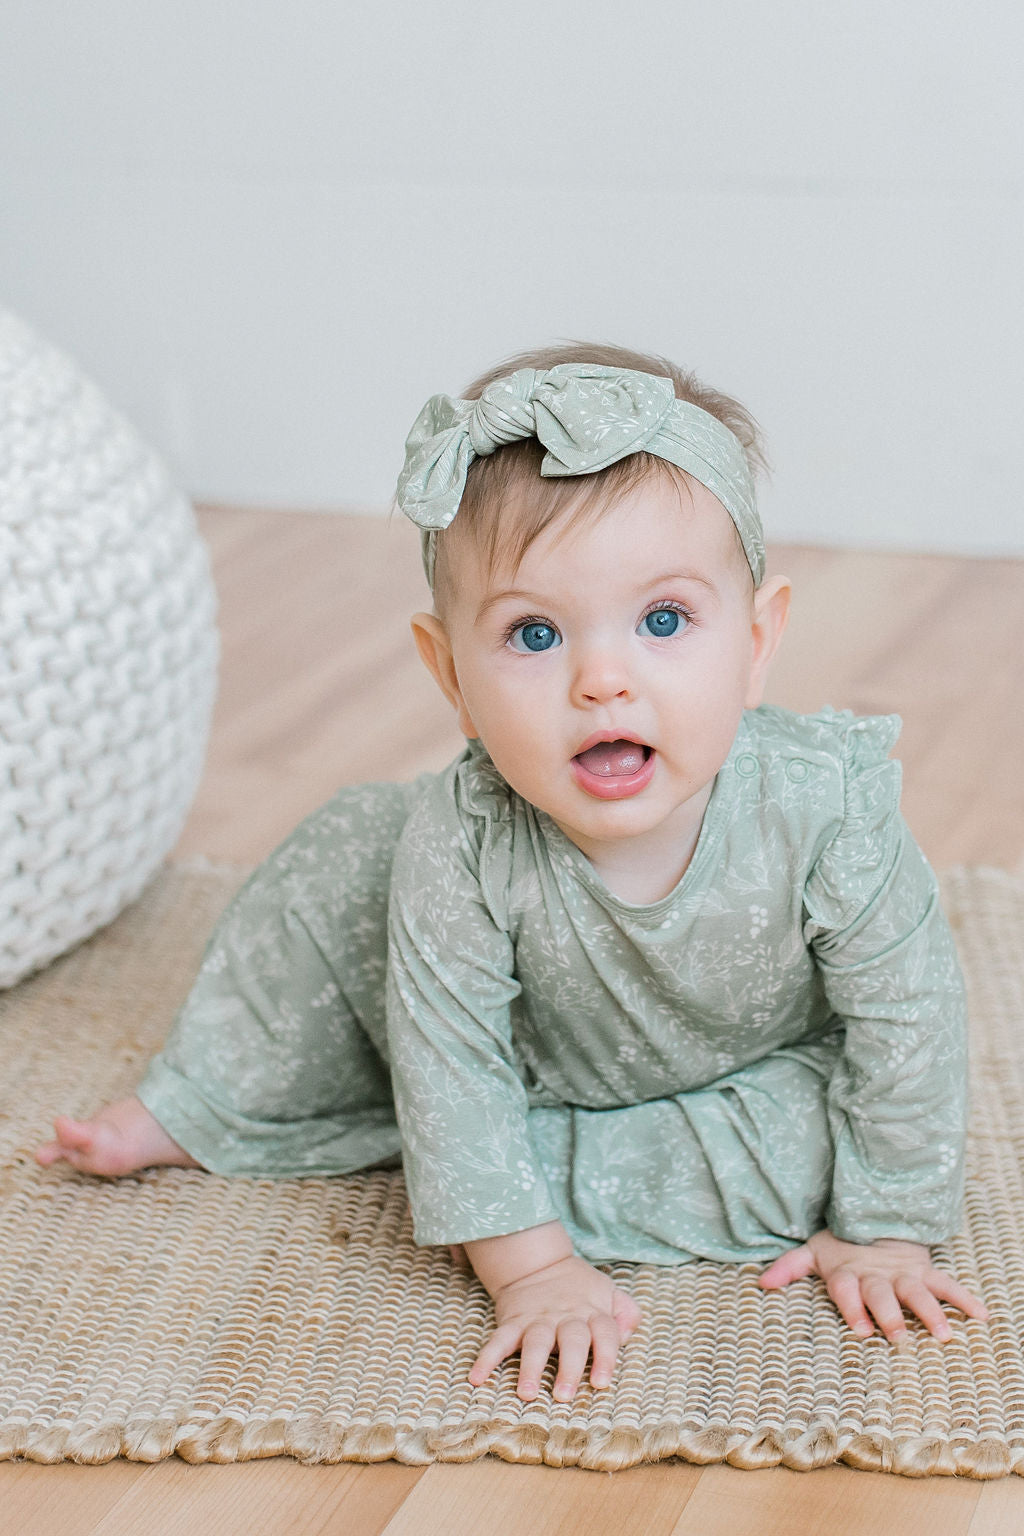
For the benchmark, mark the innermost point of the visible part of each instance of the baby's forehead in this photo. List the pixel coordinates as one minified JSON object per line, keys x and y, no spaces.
{"x":671,"y":510}
{"x":643,"y":539}
{"x":666,"y":519}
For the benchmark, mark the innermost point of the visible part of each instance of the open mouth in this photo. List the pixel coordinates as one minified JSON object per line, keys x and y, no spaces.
{"x":610,"y":770}
{"x":610,"y":759}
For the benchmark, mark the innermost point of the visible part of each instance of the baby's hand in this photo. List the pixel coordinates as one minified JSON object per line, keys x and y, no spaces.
{"x":885,"y":1276}
{"x":570,"y":1307}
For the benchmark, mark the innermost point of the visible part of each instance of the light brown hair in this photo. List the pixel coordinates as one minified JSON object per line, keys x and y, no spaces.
{"x":507,"y":503}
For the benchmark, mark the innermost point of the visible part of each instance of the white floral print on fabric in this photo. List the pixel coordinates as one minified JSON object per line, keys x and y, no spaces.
{"x":777,"y":1043}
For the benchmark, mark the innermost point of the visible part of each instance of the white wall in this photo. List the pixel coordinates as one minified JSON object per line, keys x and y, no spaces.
{"x":270,"y":230}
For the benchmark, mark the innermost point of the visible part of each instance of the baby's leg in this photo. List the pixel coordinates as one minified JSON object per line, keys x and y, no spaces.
{"x":738,"y":1171}
{"x":276,"y":1063}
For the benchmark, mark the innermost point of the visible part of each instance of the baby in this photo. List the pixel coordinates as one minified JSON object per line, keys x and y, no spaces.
{"x":652,"y":972}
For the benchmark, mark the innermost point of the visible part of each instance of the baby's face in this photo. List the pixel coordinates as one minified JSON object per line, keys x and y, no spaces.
{"x":607,"y":675}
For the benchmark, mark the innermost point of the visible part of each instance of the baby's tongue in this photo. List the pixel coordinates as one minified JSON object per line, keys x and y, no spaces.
{"x":610,"y":757}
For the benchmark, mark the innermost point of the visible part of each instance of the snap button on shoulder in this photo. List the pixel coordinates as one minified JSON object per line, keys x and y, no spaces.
{"x":797,"y":770}
{"x":746,"y":764}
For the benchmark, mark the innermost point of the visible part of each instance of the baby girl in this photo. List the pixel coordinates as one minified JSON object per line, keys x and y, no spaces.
{"x":652,"y":972}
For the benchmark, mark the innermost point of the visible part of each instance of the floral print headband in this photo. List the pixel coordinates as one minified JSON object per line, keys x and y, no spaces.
{"x":587,"y":415}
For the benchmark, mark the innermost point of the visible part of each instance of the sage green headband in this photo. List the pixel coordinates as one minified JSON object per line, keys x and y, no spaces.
{"x":587,"y":415}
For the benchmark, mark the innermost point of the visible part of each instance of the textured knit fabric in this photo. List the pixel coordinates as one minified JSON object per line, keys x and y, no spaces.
{"x":108,"y":656}
{"x":776,"y":1045}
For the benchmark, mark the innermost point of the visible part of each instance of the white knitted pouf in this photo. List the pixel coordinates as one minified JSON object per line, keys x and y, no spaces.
{"x":108,"y":657}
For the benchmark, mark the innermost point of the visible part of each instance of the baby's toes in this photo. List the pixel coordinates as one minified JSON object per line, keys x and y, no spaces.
{"x":75,"y":1135}
{"x":49,"y":1152}
{"x":66,"y":1144}
{"x":89,"y":1145}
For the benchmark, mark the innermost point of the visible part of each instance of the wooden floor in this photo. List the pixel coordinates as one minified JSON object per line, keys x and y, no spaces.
{"x":320,"y":686}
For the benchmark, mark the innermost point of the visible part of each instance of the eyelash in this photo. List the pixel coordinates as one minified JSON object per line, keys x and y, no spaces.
{"x":530,"y":618}
{"x":667,"y":603}
{"x":537,"y":618}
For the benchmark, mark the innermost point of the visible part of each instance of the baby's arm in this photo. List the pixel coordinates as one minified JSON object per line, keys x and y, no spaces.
{"x":546,"y":1298}
{"x":897,"y":1098}
{"x":882,"y":1277}
{"x":471,"y":1166}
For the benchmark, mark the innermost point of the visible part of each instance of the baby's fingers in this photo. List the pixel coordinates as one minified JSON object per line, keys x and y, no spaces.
{"x":948,"y":1289}
{"x":626,"y":1313}
{"x":794,"y":1264}
{"x":844,"y":1288}
{"x":538,"y":1344}
{"x":608,"y":1336}
{"x":535,"y":1344}
{"x":917,"y":1298}
{"x":503,"y":1342}
{"x":884,"y":1299}
{"x":573,"y":1349}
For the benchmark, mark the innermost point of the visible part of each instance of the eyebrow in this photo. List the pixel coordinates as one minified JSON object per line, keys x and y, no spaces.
{"x":499,"y":597}
{"x":702,"y":581}
{"x":531,"y":597}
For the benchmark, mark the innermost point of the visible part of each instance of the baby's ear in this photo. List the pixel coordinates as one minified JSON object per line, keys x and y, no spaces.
{"x":435,"y":650}
{"x":770,"y":617}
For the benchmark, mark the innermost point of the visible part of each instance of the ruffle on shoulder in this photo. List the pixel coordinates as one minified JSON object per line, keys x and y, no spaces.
{"x":858,"y":860}
{"x":484,"y":805}
{"x":479,"y":788}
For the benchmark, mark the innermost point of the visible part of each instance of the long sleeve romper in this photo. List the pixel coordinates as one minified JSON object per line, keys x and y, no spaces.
{"x":434,"y":971}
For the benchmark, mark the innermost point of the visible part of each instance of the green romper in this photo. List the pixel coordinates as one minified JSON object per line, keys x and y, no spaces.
{"x":434,"y":970}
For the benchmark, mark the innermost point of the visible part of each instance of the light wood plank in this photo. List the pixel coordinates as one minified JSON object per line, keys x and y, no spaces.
{"x":276,"y":1497}
{"x":837,"y":1500}
{"x":452,"y":1500}
{"x":63,"y":1500}
{"x":1000,"y":1509}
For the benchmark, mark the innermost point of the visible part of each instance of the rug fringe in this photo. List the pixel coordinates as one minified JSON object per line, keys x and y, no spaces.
{"x":869,"y":1452}
{"x":227,"y":1439}
{"x":818,"y":1447}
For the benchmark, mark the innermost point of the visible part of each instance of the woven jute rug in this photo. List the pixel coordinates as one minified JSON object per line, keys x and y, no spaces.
{"x":175,"y":1312}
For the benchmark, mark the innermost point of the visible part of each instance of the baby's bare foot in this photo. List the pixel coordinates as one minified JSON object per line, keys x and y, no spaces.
{"x":122,"y":1137}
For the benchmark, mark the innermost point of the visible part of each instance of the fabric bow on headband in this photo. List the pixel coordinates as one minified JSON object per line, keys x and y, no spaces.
{"x":587,"y":415}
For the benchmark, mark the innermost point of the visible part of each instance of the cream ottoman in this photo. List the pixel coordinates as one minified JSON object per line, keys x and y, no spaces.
{"x":108,"y":657}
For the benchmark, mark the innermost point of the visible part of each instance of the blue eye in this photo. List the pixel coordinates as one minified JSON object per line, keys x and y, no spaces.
{"x":662,"y":622}
{"x":534,"y":636}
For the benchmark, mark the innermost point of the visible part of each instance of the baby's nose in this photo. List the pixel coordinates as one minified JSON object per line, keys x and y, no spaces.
{"x":601,"y":676}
